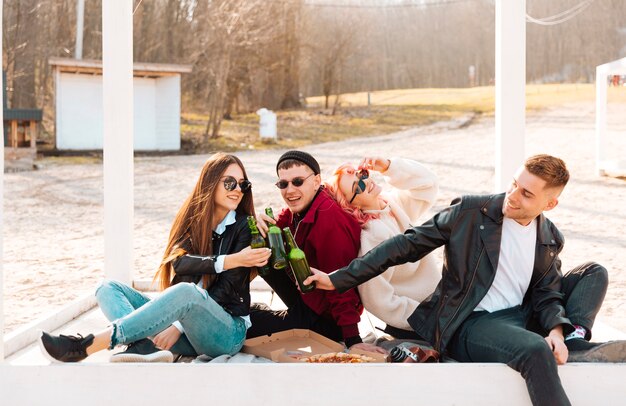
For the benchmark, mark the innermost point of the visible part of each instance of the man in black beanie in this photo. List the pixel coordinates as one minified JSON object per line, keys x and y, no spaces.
{"x":330,"y":238}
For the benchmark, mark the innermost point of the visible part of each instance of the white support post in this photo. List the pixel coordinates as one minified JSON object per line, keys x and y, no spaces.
{"x":1,"y":207}
{"x":80,"y":19}
{"x":601,"y":95}
{"x":117,"y":89}
{"x":510,"y":89}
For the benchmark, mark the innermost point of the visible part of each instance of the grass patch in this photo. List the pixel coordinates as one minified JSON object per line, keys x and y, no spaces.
{"x":297,"y":128}
{"x":390,"y":111}
{"x":73,"y":159}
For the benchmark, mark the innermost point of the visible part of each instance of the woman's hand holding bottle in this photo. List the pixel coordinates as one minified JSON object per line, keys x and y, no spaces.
{"x":247,"y":257}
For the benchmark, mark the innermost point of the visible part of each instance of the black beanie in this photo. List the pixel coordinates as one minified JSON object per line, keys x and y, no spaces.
{"x":300,"y":156}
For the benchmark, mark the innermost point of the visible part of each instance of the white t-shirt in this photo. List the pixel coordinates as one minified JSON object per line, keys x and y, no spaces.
{"x":515,"y":266}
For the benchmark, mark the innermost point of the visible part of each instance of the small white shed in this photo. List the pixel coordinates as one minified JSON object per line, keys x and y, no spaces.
{"x":79,"y":114}
{"x":603,"y":163}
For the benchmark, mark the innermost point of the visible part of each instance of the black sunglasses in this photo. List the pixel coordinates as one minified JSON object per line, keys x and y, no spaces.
{"x":359,"y":186}
{"x":297,"y":182}
{"x":230,"y":184}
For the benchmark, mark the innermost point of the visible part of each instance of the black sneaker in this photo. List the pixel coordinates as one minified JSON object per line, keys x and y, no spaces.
{"x":583,"y":351}
{"x":142,"y":350}
{"x":64,"y":348}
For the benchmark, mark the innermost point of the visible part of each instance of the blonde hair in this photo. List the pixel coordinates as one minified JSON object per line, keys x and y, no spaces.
{"x":332,"y":186}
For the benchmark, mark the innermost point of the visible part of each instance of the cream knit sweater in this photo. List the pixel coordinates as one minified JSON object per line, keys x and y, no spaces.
{"x":394,"y":295}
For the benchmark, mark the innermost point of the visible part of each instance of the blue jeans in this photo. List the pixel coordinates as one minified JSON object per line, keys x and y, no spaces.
{"x":209,"y":329}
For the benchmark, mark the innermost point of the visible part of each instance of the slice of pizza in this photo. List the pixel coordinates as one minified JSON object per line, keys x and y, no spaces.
{"x":338,"y":358}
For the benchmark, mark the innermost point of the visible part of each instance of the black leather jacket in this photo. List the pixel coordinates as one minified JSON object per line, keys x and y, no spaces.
{"x":471,"y":230}
{"x":230,"y":289}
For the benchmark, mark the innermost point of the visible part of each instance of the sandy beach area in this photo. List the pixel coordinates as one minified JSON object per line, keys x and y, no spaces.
{"x":53,"y":217}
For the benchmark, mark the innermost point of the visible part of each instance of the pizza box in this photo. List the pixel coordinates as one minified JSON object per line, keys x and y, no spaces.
{"x":292,"y":345}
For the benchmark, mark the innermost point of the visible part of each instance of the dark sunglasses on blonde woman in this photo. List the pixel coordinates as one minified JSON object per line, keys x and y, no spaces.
{"x":297,"y":182}
{"x":359,"y":186}
{"x":230,"y":183}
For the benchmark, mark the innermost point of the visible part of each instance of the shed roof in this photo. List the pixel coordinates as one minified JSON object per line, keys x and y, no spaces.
{"x":617,"y":67}
{"x":140,"y":69}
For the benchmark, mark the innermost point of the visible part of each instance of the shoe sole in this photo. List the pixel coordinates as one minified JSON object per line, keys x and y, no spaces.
{"x":612,"y":351}
{"x":159,"y":356}
{"x":46,"y":354}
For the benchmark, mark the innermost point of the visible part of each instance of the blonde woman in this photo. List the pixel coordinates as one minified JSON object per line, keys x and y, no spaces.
{"x":393,"y":295}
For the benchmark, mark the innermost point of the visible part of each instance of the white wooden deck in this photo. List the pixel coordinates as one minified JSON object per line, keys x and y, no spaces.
{"x":27,"y":378}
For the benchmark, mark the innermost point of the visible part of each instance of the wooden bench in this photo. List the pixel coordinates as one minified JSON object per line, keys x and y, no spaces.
{"x":20,"y":137}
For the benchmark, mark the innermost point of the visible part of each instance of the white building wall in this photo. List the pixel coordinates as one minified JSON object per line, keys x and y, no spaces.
{"x":79,"y":119}
{"x":167,"y":103}
{"x":145,"y":114}
{"x":79,"y":112}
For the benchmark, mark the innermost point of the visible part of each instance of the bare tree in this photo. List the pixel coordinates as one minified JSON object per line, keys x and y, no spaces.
{"x":229,"y":34}
{"x":332,"y":40}
{"x":248,"y":54}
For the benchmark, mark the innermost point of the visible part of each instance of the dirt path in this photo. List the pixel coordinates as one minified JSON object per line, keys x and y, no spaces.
{"x":53,"y":232}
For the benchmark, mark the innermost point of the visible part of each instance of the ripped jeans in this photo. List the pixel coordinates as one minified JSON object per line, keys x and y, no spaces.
{"x":209,"y":329}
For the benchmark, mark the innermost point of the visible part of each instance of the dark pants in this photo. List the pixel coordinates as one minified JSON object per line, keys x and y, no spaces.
{"x":298,"y":314}
{"x":505,"y":336}
{"x":584,"y":288}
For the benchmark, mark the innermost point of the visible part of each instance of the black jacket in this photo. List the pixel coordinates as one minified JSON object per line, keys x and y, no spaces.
{"x":471,"y":230}
{"x":230,"y":289}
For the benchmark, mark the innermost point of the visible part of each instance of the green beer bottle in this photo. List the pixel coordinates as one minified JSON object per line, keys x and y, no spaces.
{"x":257,"y":242}
{"x":275,"y":238}
{"x":299,"y":265}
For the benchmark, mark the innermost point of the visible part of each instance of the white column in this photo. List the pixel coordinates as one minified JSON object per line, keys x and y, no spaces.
{"x":601,"y":94}
{"x":80,"y":18}
{"x":1,"y":207}
{"x":117,"y":89}
{"x":510,"y":89}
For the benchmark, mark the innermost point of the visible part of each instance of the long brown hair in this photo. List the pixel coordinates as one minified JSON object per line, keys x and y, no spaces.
{"x":194,"y":219}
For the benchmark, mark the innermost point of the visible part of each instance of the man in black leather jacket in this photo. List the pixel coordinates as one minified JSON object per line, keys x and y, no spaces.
{"x":502,"y":297}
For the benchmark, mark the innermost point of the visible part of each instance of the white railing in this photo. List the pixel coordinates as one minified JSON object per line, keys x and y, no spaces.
{"x":311,"y":384}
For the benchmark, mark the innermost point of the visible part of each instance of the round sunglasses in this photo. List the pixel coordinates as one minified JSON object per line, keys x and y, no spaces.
{"x":230,"y":184}
{"x":297,"y":182}
{"x":359,"y":186}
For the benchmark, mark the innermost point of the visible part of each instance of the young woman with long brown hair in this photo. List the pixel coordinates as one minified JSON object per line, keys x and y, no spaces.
{"x":205,"y":277}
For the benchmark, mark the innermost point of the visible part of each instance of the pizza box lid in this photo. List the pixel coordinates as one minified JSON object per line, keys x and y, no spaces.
{"x":292,"y":345}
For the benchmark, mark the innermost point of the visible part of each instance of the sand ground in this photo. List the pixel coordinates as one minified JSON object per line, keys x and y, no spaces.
{"x":53,"y":231}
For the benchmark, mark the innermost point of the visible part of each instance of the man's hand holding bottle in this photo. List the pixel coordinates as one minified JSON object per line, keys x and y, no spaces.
{"x":321,"y":279}
{"x":262,"y":221}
